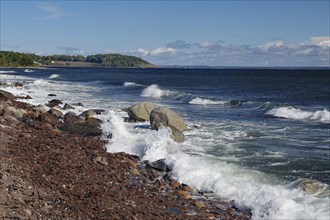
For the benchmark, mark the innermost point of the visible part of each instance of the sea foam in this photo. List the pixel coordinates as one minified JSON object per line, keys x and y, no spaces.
{"x":6,"y":71}
{"x":291,"y":112}
{"x":200,"y":101}
{"x":154,"y":91}
{"x":54,"y":76}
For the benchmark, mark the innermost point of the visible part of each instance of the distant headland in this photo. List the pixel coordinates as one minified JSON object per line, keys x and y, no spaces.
{"x":16,"y":59}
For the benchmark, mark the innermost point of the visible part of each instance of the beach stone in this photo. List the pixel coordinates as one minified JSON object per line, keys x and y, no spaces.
{"x":184,"y":194}
{"x":71,"y":118}
{"x":25,"y":135}
{"x":40,"y":108}
{"x":47,"y":118}
{"x":199,"y":204}
{"x":11,"y":120}
{"x":163,"y":116}
{"x":102,"y":160}
{"x":91,"y":113}
{"x":54,"y":102}
{"x":175,"y":184}
{"x":135,"y":172}
{"x":158,"y":165}
{"x":132,"y":164}
{"x":173,"y":210}
{"x":6,"y":96}
{"x":188,"y":188}
{"x":56,"y":113}
{"x":90,"y":127}
{"x":12,"y":111}
{"x":312,"y":186}
{"x":140,"y":111}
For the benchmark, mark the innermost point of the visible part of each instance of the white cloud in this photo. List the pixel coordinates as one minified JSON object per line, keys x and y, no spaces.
{"x":53,"y":12}
{"x":270,"y":45}
{"x":321,"y":41}
{"x":156,"y":52}
{"x":205,"y":44}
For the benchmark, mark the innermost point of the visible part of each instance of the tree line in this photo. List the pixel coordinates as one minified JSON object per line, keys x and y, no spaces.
{"x":16,"y":59}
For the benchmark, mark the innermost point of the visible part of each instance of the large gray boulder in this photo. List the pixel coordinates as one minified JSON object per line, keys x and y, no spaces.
{"x":140,"y":111}
{"x":164,"y":117}
{"x":6,"y":96}
{"x":311,"y":186}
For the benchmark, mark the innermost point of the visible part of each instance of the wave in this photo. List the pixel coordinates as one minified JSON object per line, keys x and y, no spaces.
{"x":291,"y":112}
{"x":7,"y":71}
{"x":54,"y":76}
{"x":200,"y":101}
{"x":154,"y":91}
{"x":131,"y":84}
{"x":28,"y":71}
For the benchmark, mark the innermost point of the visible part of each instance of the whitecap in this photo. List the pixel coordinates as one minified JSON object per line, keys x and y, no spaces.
{"x":28,"y":71}
{"x":131,"y":84}
{"x":291,"y":112}
{"x":154,"y":91}
{"x":54,"y":76}
{"x":200,"y":101}
{"x":7,"y":71}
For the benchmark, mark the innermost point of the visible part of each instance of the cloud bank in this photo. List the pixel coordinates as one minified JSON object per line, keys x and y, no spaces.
{"x":313,"y":52}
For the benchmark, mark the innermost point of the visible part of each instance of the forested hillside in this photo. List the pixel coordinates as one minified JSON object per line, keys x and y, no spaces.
{"x":15,"y":59}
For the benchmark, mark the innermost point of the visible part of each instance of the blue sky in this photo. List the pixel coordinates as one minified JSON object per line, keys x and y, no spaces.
{"x":217,"y":33}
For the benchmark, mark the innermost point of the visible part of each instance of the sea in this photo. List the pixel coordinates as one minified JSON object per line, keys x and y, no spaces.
{"x":254,"y":134}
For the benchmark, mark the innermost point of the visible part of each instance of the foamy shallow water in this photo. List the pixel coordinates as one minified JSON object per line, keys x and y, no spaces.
{"x":229,"y":157}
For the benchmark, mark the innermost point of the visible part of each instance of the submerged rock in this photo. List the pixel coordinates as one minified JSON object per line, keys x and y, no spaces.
{"x":140,"y":111}
{"x":67,"y":106}
{"x":54,"y":102}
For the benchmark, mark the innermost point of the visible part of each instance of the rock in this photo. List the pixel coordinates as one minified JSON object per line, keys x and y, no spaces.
{"x":40,"y":108}
{"x":11,"y":120}
{"x":135,"y":172}
{"x":173,"y":210}
{"x":28,"y":122}
{"x":162,"y":116}
{"x":140,"y":111}
{"x":158,"y":165}
{"x":91,"y":113}
{"x":102,"y":160}
{"x":54,"y":102}
{"x":90,"y":127}
{"x":47,"y":118}
{"x":25,"y":135}
{"x":17,"y":84}
{"x":51,"y":95}
{"x":56,"y":113}
{"x":315,"y":187}
{"x":132,"y":164}
{"x":175,"y":184}
{"x":184,"y":194}
{"x":177,"y":135}
{"x":6,"y":96}
{"x":24,"y":96}
{"x":12,"y":111}
{"x":188,"y":188}
{"x":78,"y":104}
{"x":28,"y":212}
{"x":199,"y":204}
{"x":71,"y":118}
{"x":67,"y":107}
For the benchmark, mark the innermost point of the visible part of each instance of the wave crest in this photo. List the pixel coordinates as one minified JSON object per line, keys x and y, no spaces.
{"x":200,"y":101}
{"x":291,"y":112}
{"x":54,"y":76}
{"x":155,"y":92}
{"x":28,"y":71}
{"x":7,"y":71}
{"x":131,"y":84}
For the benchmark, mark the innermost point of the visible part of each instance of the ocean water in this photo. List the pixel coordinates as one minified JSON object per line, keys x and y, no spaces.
{"x":254,"y":133}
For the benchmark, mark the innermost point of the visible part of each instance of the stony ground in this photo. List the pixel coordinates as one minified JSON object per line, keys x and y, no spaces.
{"x":49,"y":173}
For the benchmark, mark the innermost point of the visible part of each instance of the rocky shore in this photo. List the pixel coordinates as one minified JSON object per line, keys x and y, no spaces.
{"x":55,"y":166}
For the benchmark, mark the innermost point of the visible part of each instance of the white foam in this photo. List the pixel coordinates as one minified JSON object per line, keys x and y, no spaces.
{"x":200,"y":101}
{"x":298,"y":114}
{"x":7,"y":71}
{"x":28,"y":71}
{"x":265,"y":195}
{"x":54,"y":76}
{"x":131,"y":84}
{"x":154,"y":91}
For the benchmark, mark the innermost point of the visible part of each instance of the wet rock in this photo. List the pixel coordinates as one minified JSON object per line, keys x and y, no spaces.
{"x":175,"y":184}
{"x":6,"y":96}
{"x":54,"y":102}
{"x":91,"y":113}
{"x":132,"y":164}
{"x":56,"y":113}
{"x":78,"y":104}
{"x":72,"y":118}
{"x":52,"y":95}
{"x":67,"y":107}
{"x":11,"y":120}
{"x":47,"y":118}
{"x":140,"y":111}
{"x":188,"y":188}
{"x":40,"y":108}
{"x":17,"y":84}
{"x":90,"y":127}
{"x":162,"y":116}
{"x":312,"y":186}
{"x":184,"y":194}
{"x":158,"y":165}
{"x":173,"y":210}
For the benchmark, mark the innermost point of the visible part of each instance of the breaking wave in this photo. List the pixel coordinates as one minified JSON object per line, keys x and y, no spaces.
{"x":7,"y":71}
{"x":28,"y":71}
{"x":154,"y":91}
{"x":291,"y":112}
{"x":200,"y":101}
{"x":54,"y":76}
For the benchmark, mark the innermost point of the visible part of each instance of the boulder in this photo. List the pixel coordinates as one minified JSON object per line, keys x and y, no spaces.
{"x":6,"y":96}
{"x":56,"y":113}
{"x":311,"y":186}
{"x":177,"y":135}
{"x":47,"y":118}
{"x":140,"y":111}
{"x":40,"y":109}
{"x":12,"y":111}
{"x":162,"y":116}
{"x":90,"y":127}
{"x":91,"y":113}
{"x":54,"y":102}
{"x":67,"y":107}
{"x":11,"y":120}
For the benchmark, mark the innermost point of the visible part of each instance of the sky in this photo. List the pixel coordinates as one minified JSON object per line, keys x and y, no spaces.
{"x":261,"y":33}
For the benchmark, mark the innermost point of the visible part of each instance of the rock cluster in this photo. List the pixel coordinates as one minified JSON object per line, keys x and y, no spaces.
{"x":55,"y":166}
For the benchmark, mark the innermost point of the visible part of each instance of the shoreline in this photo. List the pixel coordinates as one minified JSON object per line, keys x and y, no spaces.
{"x":55,"y":173}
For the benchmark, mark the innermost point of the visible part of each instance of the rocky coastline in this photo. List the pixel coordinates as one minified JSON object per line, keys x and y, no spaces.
{"x":55,"y":166}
